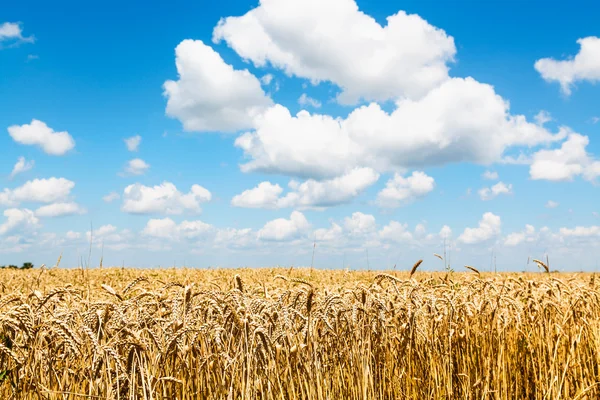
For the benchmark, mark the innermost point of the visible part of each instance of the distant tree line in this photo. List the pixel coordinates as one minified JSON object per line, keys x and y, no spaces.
{"x":26,"y":265}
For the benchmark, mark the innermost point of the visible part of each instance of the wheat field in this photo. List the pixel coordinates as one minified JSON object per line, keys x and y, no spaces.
{"x":297,"y":334}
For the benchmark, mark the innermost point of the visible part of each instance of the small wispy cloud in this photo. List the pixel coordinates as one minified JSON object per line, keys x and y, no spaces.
{"x":305,"y":100}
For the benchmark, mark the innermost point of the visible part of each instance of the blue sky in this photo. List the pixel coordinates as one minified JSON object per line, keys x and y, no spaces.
{"x":388,"y":128}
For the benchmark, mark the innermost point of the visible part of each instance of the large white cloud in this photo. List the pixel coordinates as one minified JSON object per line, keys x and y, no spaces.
{"x":210,"y":95}
{"x":18,"y":219}
{"x":311,"y":39}
{"x":282,"y":229}
{"x":566,"y":162}
{"x":308,"y":194}
{"x":585,"y":66}
{"x":400,"y":190}
{"x":38,"y":191}
{"x":163,"y":199}
{"x":489,"y":227}
{"x":39,"y":134}
{"x":462,"y":120}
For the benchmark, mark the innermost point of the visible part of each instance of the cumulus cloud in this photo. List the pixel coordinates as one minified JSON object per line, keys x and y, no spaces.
{"x":112,"y":196}
{"x":305,"y":100}
{"x":490,"y":175}
{"x":137,"y":166}
{"x":282,"y":229}
{"x":18,"y":219}
{"x":265,"y":195}
{"x":494,"y":191}
{"x":310,"y":39}
{"x":585,"y":66}
{"x":133,"y":143}
{"x":460,"y":121}
{"x":235,"y":238}
{"x":38,"y":191}
{"x":400,"y":190}
{"x":39,"y":134}
{"x":489,"y":227}
{"x":566,"y":162}
{"x":516,"y":238}
{"x":11,"y":34}
{"x":309,"y":194}
{"x":21,"y":166}
{"x":395,"y":232}
{"x":59,"y":210}
{"x":163,"y":199}
{"x":359,"y":224}
{"x":166,"y":228}
{"x":110,"y":237}
{"x":551,"y":204}
{"x":210,"y":95}
{"x":581,"y":231}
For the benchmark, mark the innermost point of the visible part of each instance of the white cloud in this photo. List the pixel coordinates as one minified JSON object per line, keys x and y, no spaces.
{"x":585,"y":66}
{"x":489,"y":227}
{"x":12,"y":33}
{"x":305,"y":100}
{"x":311,"y":39}
{"x":565,"y":163}
{"x":460,"y":121}
{"x":595,"y":120}
{"x":542,"y":117}
{"x":516,"y":238}
{"x":490,"y":175}
{"x":109,"y":237}
{"x":39,"y":134}
{"x":266,"y":79}
{"x":445,"y":232}
{"x":59,"y":210}
{"x":312,"y":193}
{"x":282,"y":229}
{"x":235,"y":238}
{"x":395,"y":232}
{"x":72,"y":235}
{"x":133,"y":143}
{"x":21,"y":166}
{"x":309,"y":194}
{"x":166,"y":228}
{"x":334,"y":233}
{"x":400,"y":190}
{"x":359,"y":224}
{"x":38,"y":191}
{"x":163,"y":198}
{"x":17,"y":219}
{"x":581,"y":231}
{"x":112,"y":196}
{"x":265,"y":195}
{"x":551,"y":204}
{"x":494,"y":191}
{"x":137,"y":166}
{"x":210,"y":95}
